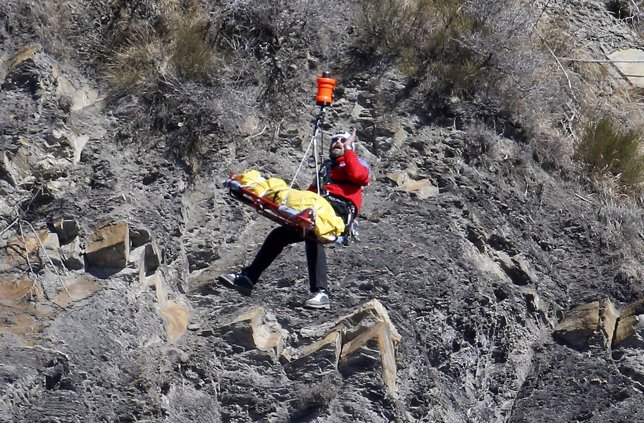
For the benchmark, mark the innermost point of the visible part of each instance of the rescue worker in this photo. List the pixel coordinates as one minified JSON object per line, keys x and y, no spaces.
{"x":342,"y":177}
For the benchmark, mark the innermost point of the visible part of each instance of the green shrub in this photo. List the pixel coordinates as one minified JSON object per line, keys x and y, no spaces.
{"x":604,"y":148}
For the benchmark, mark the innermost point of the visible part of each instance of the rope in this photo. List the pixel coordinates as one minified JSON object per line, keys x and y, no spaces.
{"x":317,"y":165}
{"x":313,"y":142}
{"x":303,"y":160}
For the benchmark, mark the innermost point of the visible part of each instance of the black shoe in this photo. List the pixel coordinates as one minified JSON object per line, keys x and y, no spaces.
{"x":239,"y":281}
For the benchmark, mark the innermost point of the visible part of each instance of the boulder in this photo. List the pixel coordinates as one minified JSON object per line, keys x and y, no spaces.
{"x":630,"y":326}
{"x":588,"y":325}
{"x":422,"y":188}
{"x":22,"y":71}
{"x":108,"y":245}
{"x":516,"y":267}
{"x":368,"y":324}
{"x":65,"y":143}
{"x":50,"y":249}
{"x":315,"y":359}
{"x":16,"y":165}
{"x":380,"y":328}
{"x":71,"y":254}
{"x":140,"y":236}
{"x":399,"y":178}
{"x":74,"y":98}
{"x":67,"y":229}
{"x":145,"y":258}
{"x":255,"y":328}
{"x":630,"y":63}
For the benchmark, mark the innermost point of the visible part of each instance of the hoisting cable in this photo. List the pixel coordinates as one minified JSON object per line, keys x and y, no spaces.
{"x":316,"y":153}
{"x":324,"y":98}
{"x":313,"y":143}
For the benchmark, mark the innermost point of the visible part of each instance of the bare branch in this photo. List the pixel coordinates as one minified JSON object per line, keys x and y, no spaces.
{"x":48,"y":258}
{"x":10,"y":225}
{"x":561,"y":67}
{"x":571,"y":59}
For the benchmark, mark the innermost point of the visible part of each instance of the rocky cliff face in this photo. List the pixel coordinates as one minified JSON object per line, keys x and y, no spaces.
{"x":485,"y":287}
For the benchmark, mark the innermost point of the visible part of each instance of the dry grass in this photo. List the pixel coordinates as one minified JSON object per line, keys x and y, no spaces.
{"x":480,"y":141}
{"x":501,"y":60}
{"x":185,"y":70}
{"x":623,"y":229}
{"x":416,"y":33}
{"x":486,"y":54}
{"x":173,"y":46}
{"x":313,"y":399}
{"x":605,"y":148}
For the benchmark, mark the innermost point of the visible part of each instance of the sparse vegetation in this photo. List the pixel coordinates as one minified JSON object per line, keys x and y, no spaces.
{"x":480,"y":141}
{"x":314,"y":399}
{"x":604,"y":148}
{"x":482,"y":53}
{"x":420,"y":34}
{"x":629,"y":10}
{"x":491,"y":58}
{"x":622,"y":228}
{"x":174,"y":45}
{"x":174,"y":59}
{"x":198,"y":69}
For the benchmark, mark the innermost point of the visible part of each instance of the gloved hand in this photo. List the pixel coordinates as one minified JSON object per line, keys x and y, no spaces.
{"x":349,"y":142}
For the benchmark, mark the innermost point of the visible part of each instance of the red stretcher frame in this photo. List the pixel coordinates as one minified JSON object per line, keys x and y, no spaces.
{"x":303,"y":221}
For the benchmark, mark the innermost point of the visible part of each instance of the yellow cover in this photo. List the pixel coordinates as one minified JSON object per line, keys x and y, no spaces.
{"x":249,"y":177}
{"x":328,"y":225}
{"x":253,"y":181}
{"x":268,"y":187}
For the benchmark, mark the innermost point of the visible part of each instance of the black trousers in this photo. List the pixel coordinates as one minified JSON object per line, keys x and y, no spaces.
{"x":274,"y":244}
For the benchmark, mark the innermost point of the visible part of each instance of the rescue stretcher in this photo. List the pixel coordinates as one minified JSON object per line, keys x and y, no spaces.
{"x":303,"y":221}
{"x":318,"y":223}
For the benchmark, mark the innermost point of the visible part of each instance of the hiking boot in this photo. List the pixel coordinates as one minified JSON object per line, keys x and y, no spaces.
{"x":239,"y":281}
{"x":319,"y":300}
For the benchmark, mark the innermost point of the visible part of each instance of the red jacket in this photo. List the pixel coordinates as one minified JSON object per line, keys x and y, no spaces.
{"x":345,"y":176}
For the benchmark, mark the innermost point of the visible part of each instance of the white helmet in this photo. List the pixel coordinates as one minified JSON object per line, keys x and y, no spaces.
{"x":344,"y":135}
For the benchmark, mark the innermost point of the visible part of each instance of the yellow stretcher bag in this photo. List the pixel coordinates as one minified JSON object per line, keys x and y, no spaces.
{"x":328,"y":225}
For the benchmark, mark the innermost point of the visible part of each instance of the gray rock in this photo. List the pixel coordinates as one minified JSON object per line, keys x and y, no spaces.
{"x":108,"y":245}
{"x":67,"y":229}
